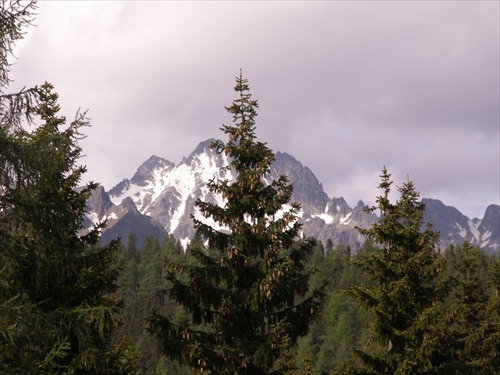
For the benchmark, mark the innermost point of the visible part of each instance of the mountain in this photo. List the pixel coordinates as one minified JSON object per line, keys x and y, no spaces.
{"x":160,"y":199}
{"x":122,"y":220}
{"x":454,"y":227}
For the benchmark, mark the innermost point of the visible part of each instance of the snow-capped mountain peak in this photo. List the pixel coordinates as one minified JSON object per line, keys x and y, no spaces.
{"x":166,"y":194}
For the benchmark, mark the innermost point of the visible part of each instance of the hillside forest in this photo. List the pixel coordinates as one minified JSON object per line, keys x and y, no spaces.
{"x":249,"y":294}
{"x":328,"y":346}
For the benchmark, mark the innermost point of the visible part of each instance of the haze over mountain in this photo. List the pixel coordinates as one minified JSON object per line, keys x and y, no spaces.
{"x":160,"y":198}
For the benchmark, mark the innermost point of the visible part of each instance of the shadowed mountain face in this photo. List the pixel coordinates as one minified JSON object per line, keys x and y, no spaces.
{"x":454,"y":227}
{"x":160,"y":199}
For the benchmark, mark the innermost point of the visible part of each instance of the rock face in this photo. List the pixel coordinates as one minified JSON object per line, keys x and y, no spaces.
{"x":99,"y":202}
{"x":160,"y":199}
{"x":123,"y":220}
{"x":454,"y":227}
{"x":306,"y":188}
{"x":489,"y":228}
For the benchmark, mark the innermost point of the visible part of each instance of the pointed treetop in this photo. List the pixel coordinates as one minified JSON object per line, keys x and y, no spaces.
{"x":243,"y":111}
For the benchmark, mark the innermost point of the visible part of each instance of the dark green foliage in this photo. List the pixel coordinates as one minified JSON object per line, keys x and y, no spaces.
{"x":408,"y":286}
{"x":238,"y":306}
{"x":60,"y":279}
{"x":15,"y":17}
{"x":141,"y":286}
{"x":492,"y":343}
{"x":57,"y":305}
{"x":472,"y":312}
{"x":343,"y":325}
{"x":248,"y":294}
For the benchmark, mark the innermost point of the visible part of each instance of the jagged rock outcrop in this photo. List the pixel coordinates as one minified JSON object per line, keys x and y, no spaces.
{"x":161,"y":197}
{"x":454,"y":227}
{"x":122,"y":220}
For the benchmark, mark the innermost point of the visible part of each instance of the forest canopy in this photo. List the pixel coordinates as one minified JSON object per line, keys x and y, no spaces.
{"x":254,"y":297}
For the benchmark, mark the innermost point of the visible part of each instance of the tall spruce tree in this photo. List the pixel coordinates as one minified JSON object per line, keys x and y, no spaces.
{"x":57,"y":309}
{"x":406,"y":271}
{"x":247,"y":294}
{"x":57,"y":283}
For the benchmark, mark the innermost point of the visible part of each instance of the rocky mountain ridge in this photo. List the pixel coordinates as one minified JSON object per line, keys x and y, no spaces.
{"x":160,"y":198}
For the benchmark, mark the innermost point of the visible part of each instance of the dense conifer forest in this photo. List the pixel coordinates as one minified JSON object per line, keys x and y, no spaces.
{"x":247,"y":296}
{"x":470,"y":312}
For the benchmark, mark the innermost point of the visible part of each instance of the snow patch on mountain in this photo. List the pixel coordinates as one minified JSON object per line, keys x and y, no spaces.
{"x":169,"y":193}
{"x":112,"y":216}
{"x":146,"y":185}
{"x":184,"y":182}
{"x":485,"y":238}
{"x":328,"y":219}
{"x":462,"y":231}
{"x":93,"y":217}
{"x":345,"y":219}
{"x":473,"y":227}
{"x":166,"y":195}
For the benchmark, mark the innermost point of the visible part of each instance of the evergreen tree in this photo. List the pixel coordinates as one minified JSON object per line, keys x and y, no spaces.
{"x":57,"y":311}
{"x":128,"y":281}
{"x":473,"y":316}
{"x":406,"y":271}
{"x":128,"y":289}
{"x":15,"y":17}
{"x":248,"y":294}
{"x":344,"y":324}
{"x":492,"y":343}
{"x":61,"y":279}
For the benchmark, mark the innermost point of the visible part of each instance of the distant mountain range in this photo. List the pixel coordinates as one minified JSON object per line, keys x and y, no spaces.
{"x":159,"y":199}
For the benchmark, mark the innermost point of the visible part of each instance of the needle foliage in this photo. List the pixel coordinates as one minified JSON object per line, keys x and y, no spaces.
{"x":247,"y":293}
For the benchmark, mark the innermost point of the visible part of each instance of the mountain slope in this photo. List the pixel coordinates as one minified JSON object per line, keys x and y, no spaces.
{"x":454,"y":227}
{"x":163,"y":195}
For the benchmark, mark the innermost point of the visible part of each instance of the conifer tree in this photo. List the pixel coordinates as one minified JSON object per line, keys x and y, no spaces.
{"x":492,"y":342}
{"x":404,"y":300}
{"x":57,"y":312}
{"x":247,"y":294}
{"x":473,"y":315}
{"x":15,"y":17}
{"x":57,"y":283}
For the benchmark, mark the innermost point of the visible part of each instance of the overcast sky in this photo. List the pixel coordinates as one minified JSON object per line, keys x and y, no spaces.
{"x":346,"y":87}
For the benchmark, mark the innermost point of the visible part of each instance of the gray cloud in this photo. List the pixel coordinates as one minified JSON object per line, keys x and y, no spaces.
{"x":345,"y":87}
